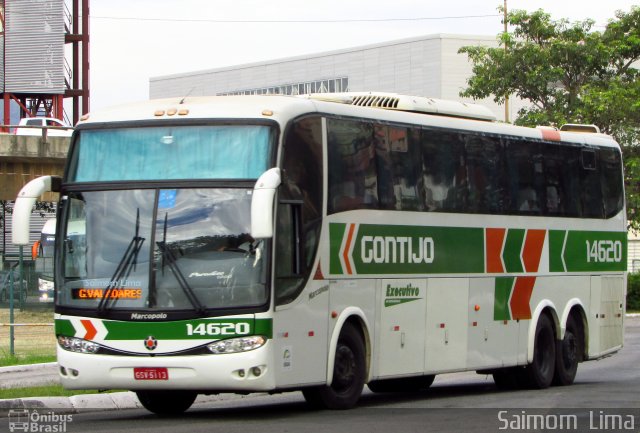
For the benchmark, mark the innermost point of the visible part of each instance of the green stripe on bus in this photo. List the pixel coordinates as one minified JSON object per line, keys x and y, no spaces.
{"x":513,"y":250}
{"x":336,"y":233}
{"x":64,"y":327}
{"x":186,"y":329}
{"x":587,"y":251}
{"x":399,"y":249}
{"x":556,"y":241}
{"x":213,"y":329}
{"x":503,"y":287}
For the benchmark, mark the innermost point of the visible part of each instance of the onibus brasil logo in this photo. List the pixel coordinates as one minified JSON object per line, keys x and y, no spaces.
{"x":25,"y":420}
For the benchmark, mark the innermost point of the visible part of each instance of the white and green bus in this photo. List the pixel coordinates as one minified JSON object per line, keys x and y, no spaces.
{"x":324,"y":242}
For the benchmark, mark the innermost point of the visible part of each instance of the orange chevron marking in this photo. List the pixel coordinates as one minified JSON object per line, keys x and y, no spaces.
{"x":91,"y":330}
{"x":347,"y":247}
{"x":532,"y":250}
{"x":318,"y":275}
{"x":521,"y":297}
{"x":493,"y":245}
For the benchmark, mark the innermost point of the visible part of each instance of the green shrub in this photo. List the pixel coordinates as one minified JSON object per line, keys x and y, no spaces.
{"x":633,"y":292}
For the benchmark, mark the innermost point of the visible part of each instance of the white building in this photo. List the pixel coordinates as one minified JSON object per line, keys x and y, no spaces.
{"x":423,"y":66}
{"x":633,"y":252}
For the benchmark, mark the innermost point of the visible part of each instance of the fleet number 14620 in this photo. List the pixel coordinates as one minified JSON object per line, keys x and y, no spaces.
{"x":223,"y":328}
{"x":604,"y":251}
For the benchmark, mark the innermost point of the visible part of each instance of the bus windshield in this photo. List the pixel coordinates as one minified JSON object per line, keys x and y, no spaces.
{"x":170,"y":153}
{"x":161,"y":249}
{"x":164,"y":244}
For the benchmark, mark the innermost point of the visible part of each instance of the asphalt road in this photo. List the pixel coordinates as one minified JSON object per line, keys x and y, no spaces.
{"x":605,"y":397}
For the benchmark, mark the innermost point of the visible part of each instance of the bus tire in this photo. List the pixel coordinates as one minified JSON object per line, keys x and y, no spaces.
{"x":349,"y":374}
{"x":539,"y":374}
{"x":404,"y":384}
{"x":568,"y":352}
{"x":166,"y":402}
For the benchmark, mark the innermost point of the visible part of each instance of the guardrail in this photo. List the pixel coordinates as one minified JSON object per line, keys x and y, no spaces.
{"x":13,"y":129}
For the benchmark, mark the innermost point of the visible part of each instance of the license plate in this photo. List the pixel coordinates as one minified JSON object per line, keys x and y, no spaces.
{"x":150,"y":373}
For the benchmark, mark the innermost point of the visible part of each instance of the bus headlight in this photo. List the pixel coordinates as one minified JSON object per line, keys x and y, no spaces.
{"x":79,"y":345}
{"x":234,"y":345}
{"x":45,"y":285}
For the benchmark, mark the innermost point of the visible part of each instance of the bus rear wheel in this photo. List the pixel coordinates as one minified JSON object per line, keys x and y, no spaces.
{"x":539,"y":374}
{"x":166,"y":402}
{"x":568,"y":353}
{"x":349,"y":373}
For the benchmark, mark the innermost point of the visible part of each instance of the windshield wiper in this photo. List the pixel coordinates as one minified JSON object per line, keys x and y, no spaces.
{"x":169,"y":259}
{"x":127,"y":263}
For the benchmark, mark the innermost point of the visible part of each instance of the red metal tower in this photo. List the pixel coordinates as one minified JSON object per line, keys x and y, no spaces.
{"x":35,"y":70}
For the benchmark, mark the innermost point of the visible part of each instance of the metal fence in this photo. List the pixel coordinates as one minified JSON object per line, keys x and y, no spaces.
{"x":26,"y":325}
{"x":29,"y":339}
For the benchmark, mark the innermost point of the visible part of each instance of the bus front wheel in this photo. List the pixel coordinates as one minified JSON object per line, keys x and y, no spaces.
{"x":166,"y":402}
{"x":349,"y":372}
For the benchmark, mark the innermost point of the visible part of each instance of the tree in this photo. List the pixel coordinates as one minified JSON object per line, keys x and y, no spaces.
{"x":570,"y":74}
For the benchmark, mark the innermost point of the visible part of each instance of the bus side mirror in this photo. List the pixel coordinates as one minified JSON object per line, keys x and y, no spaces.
{"x":262,"y":204}
{"x":24,"y":204}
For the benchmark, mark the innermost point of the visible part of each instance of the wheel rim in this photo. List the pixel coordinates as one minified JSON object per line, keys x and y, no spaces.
{"x":344,"y":372}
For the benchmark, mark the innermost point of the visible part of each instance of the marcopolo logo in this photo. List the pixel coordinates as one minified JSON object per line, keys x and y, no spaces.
{"x":25,"y":420}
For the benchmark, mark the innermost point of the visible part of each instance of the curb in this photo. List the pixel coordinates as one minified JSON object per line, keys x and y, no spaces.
{"x":26,"y":367}
{"x":73,"y":404}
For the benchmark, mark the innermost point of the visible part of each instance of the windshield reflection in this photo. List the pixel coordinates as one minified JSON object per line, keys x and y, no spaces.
{"x":161,"y":250}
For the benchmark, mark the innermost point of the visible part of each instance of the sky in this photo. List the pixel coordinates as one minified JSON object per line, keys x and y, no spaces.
{"x":134,"y":40}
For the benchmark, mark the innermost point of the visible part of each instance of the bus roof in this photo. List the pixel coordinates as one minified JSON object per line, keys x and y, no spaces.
{"x":281,"y":109}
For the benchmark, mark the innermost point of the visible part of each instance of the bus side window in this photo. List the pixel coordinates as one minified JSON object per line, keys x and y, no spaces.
{"x":300,"y":209}
{"x":444,"y":174}
{"x":591,"y":190}
{"x":570,"y":185}
{"x":385,"y":169}
{"x":399,"y":168}
{"x":353,"y":178}
{"x":485,"y":174}
{"x":611,"y":176}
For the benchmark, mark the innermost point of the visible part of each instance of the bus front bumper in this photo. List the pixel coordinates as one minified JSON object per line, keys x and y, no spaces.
{"x":249,"y":371}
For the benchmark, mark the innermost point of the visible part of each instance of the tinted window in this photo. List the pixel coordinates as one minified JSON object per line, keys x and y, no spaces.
{"x":353,"y":177}
{"x":300,"y":207}
{"x":410,"y":168}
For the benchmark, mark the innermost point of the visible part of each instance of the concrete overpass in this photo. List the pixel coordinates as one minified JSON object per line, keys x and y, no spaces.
{"x":24,"y":157}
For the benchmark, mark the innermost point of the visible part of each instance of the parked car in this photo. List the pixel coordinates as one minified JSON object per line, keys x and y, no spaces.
{"x":36,"y":124}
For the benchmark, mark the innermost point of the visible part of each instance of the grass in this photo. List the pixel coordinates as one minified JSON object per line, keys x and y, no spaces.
{"x":25,"y":359}
{"x":33,"y":339}
{"x":44,"y":391}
